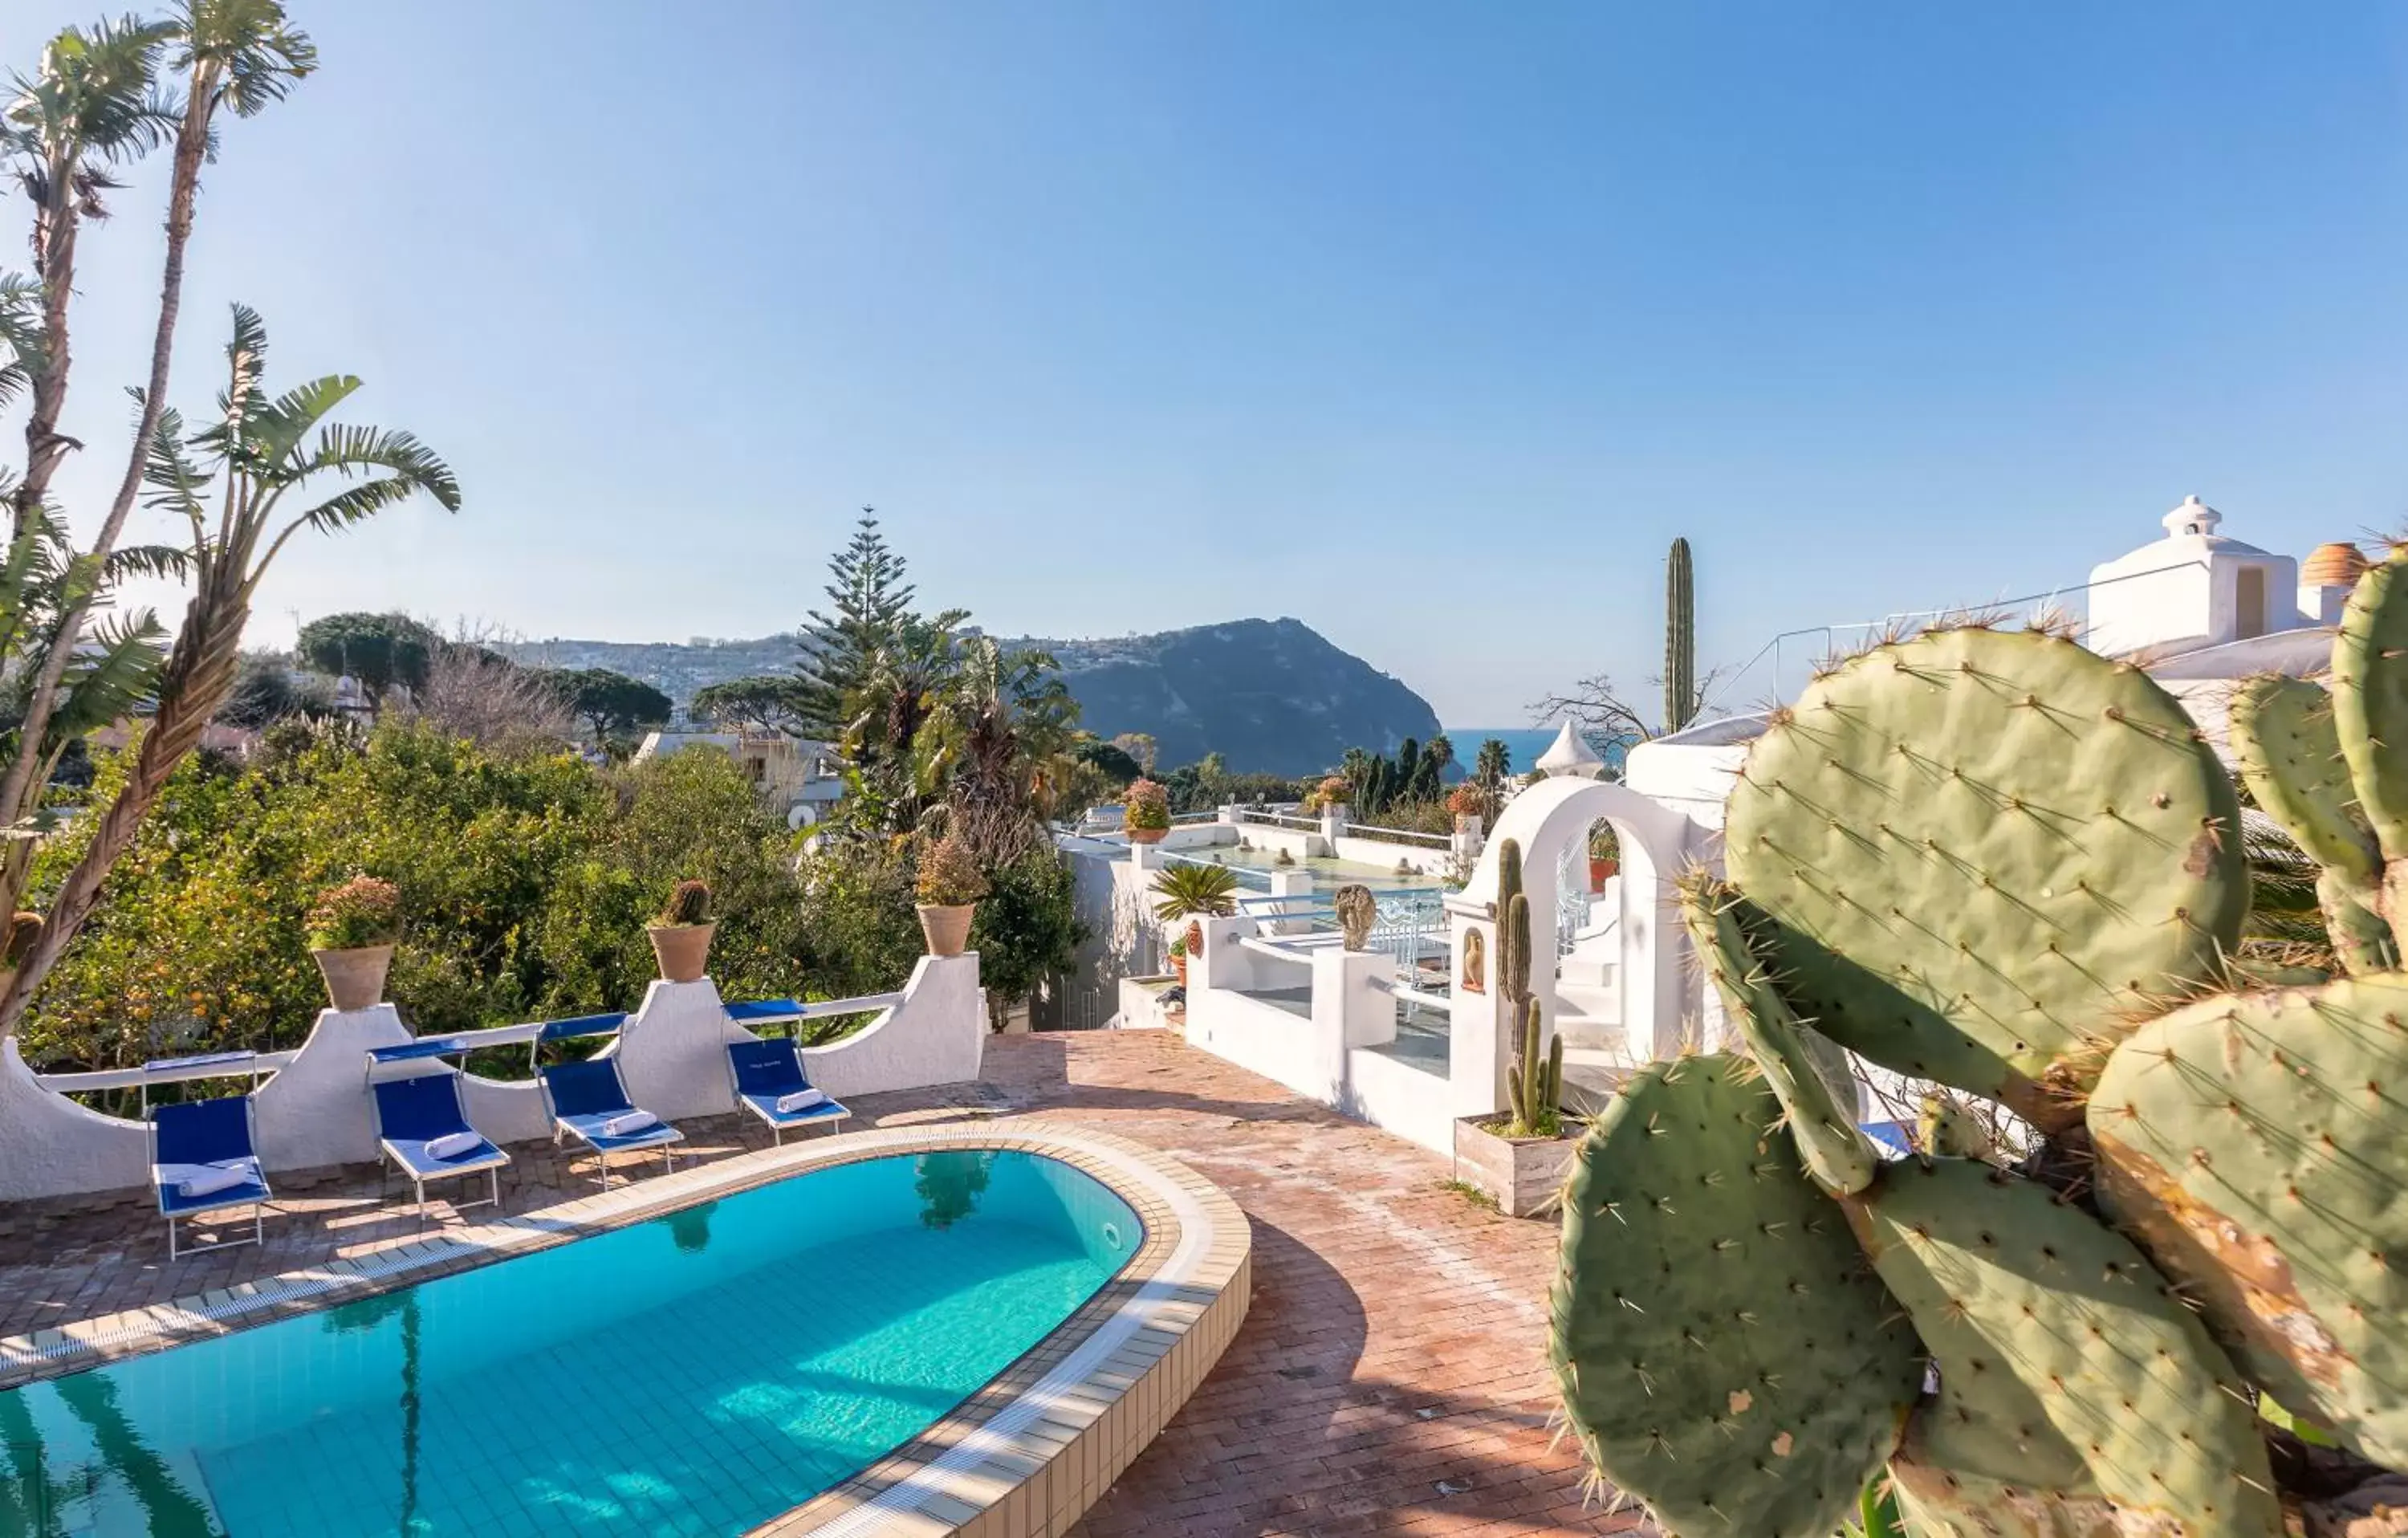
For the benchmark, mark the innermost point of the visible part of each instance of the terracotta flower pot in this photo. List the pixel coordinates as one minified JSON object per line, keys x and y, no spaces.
{"x":683,"y":950}
{"x":354,"y":977}
{"x":1601,"y":871}
{"x":1179,"y":966}
{"x":1147,"y":835}
{"x":947,"y":927}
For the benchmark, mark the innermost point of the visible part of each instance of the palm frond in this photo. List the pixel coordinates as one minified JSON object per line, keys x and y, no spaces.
{"x":166,"y":563}
{"x":95,"y":92}
{"x":22,"y":344}
{"x":278,"y":429}
{"x":115,"y":672}
{"x":260,"y":56}
{"x":178,"y":482}
{"x":347,"y":449}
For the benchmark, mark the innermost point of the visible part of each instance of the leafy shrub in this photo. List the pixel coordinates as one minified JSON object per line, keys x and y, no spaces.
{"x":361,"y":912}
{"x":1027,"y":930}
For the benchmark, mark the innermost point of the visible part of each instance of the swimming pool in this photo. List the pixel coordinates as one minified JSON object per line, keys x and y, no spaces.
{"x":697,"y":1373}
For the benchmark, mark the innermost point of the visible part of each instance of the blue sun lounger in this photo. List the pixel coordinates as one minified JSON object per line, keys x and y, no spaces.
{"x":417,"y":1115}
{"x":585,"y":1098}
{"x":206,"y":1143}
{"x":767,"y":1071}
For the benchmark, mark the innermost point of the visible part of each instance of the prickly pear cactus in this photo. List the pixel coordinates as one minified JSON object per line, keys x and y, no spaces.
{"x":2258,"y":1146}
{"x":2068,"y":1368}
{"x":1724,"y":1352}
{"x":2369,"y":692}
{"x":1837,"y":1154}
{"x":2284,"y":734}
{"x":1982,"y":849}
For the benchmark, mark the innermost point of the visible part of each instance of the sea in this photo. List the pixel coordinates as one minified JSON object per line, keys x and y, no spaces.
{"x":1523,"y":744}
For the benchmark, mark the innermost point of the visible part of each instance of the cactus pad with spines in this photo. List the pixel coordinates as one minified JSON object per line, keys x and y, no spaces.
{"x":2067,"y":1368}
{"x":1837,"y":1153}
{"x":1980,"y":849}
{"x":2369,"y":692}
{"x":1944,"y":1126}
{"x":1724,"y":1352}
{"x":2283,"y":734}
{"x":2258,"y":1146}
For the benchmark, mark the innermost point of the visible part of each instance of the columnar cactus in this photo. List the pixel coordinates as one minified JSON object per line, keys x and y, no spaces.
{"x":1680,"y":639}
{"x":1534,"y":1086}
{"x":2001,"y":863}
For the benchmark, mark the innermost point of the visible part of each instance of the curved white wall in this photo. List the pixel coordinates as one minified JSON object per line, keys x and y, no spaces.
{"x":315,"y":1111}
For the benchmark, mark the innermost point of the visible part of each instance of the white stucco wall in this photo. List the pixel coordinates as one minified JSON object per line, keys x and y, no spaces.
{"x":316,"y":1110}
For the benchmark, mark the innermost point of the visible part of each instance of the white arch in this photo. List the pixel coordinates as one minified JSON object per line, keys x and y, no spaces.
{"x":1657,"y":842}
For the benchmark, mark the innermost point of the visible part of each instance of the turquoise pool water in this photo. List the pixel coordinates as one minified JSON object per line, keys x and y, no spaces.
{"x":698,"y":1373}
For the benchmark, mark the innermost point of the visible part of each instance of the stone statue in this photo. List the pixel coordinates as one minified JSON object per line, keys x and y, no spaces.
{"x":1356,"y":914}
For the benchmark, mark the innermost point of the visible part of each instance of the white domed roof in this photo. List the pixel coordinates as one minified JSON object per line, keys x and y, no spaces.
{"x":1569,"y":753}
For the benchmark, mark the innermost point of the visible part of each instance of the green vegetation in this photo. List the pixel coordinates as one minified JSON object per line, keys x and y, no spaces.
{"x":1195,"y":891}
{"x":949,"y":875}
{"x":263,"y":468}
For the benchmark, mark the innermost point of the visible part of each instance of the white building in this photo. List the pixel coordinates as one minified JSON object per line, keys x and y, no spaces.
{"x":2198,"y":609}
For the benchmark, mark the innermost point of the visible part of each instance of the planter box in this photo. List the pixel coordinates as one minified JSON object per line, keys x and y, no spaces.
{"x":1526,"y":1175}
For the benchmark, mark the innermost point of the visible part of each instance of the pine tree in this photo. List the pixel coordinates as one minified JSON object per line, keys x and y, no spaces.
{"x":871,"y":601}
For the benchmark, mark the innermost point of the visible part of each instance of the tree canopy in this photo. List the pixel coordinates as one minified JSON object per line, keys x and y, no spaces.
{"x":382,"y":651}
{"x":613,"y":705}
{"x":764,"y":702}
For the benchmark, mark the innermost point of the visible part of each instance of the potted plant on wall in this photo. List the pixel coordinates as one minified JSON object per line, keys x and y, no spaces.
{"x":1519,"y":1158}
{"x":1190,"y":894}
{"x":1147,"y":813}
{"x":1470,"y":806}
{"x":1604,"y":856}
{"x":1179,"y":958}
{"x":951,"y":884}
{"x":681,"y":936}
{"x":352,"y":933}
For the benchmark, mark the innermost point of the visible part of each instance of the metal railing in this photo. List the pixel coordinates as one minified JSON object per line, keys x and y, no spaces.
{"x":1267,"y":817}
{"x":1399,"y":835}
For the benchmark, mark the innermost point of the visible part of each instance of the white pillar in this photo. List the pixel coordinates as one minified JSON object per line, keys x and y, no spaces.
{"x":1289,"y":884}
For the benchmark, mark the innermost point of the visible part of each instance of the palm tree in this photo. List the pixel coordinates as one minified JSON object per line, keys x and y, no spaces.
{"x":239,"y":56}
{"x":998,"y":747}
{"x":90,"y":105}
{"x":257,"y":454}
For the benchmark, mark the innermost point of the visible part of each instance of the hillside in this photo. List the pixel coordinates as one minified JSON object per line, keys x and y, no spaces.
{"x":1269,"y":696}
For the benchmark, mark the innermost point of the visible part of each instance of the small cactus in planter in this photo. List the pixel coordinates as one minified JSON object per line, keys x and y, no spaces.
{"x":681,"y":936}
{"x":951,"y":884}
{"x":1518,"y":1157}
{"x":1146,"y":811}
{"x":352,"y":929}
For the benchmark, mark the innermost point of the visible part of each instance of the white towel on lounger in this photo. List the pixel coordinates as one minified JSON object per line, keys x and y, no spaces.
{"x":801,"y":1100}
{"x":452,"y":1144}
{"x":207,"y":1182}
{"x":628,"y":1123}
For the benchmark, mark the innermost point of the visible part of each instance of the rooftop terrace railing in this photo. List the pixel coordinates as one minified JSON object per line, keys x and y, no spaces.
{"x":1399,"y":835}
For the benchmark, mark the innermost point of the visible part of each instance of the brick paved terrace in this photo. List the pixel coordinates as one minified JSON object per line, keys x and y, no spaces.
{"x":1389,"y":1378}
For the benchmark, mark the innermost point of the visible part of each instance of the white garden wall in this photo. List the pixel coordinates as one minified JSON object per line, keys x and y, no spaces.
{"x":316,"y":1113}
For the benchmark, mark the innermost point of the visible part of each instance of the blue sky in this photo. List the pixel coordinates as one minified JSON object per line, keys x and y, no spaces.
{"x":1429,"y":324}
